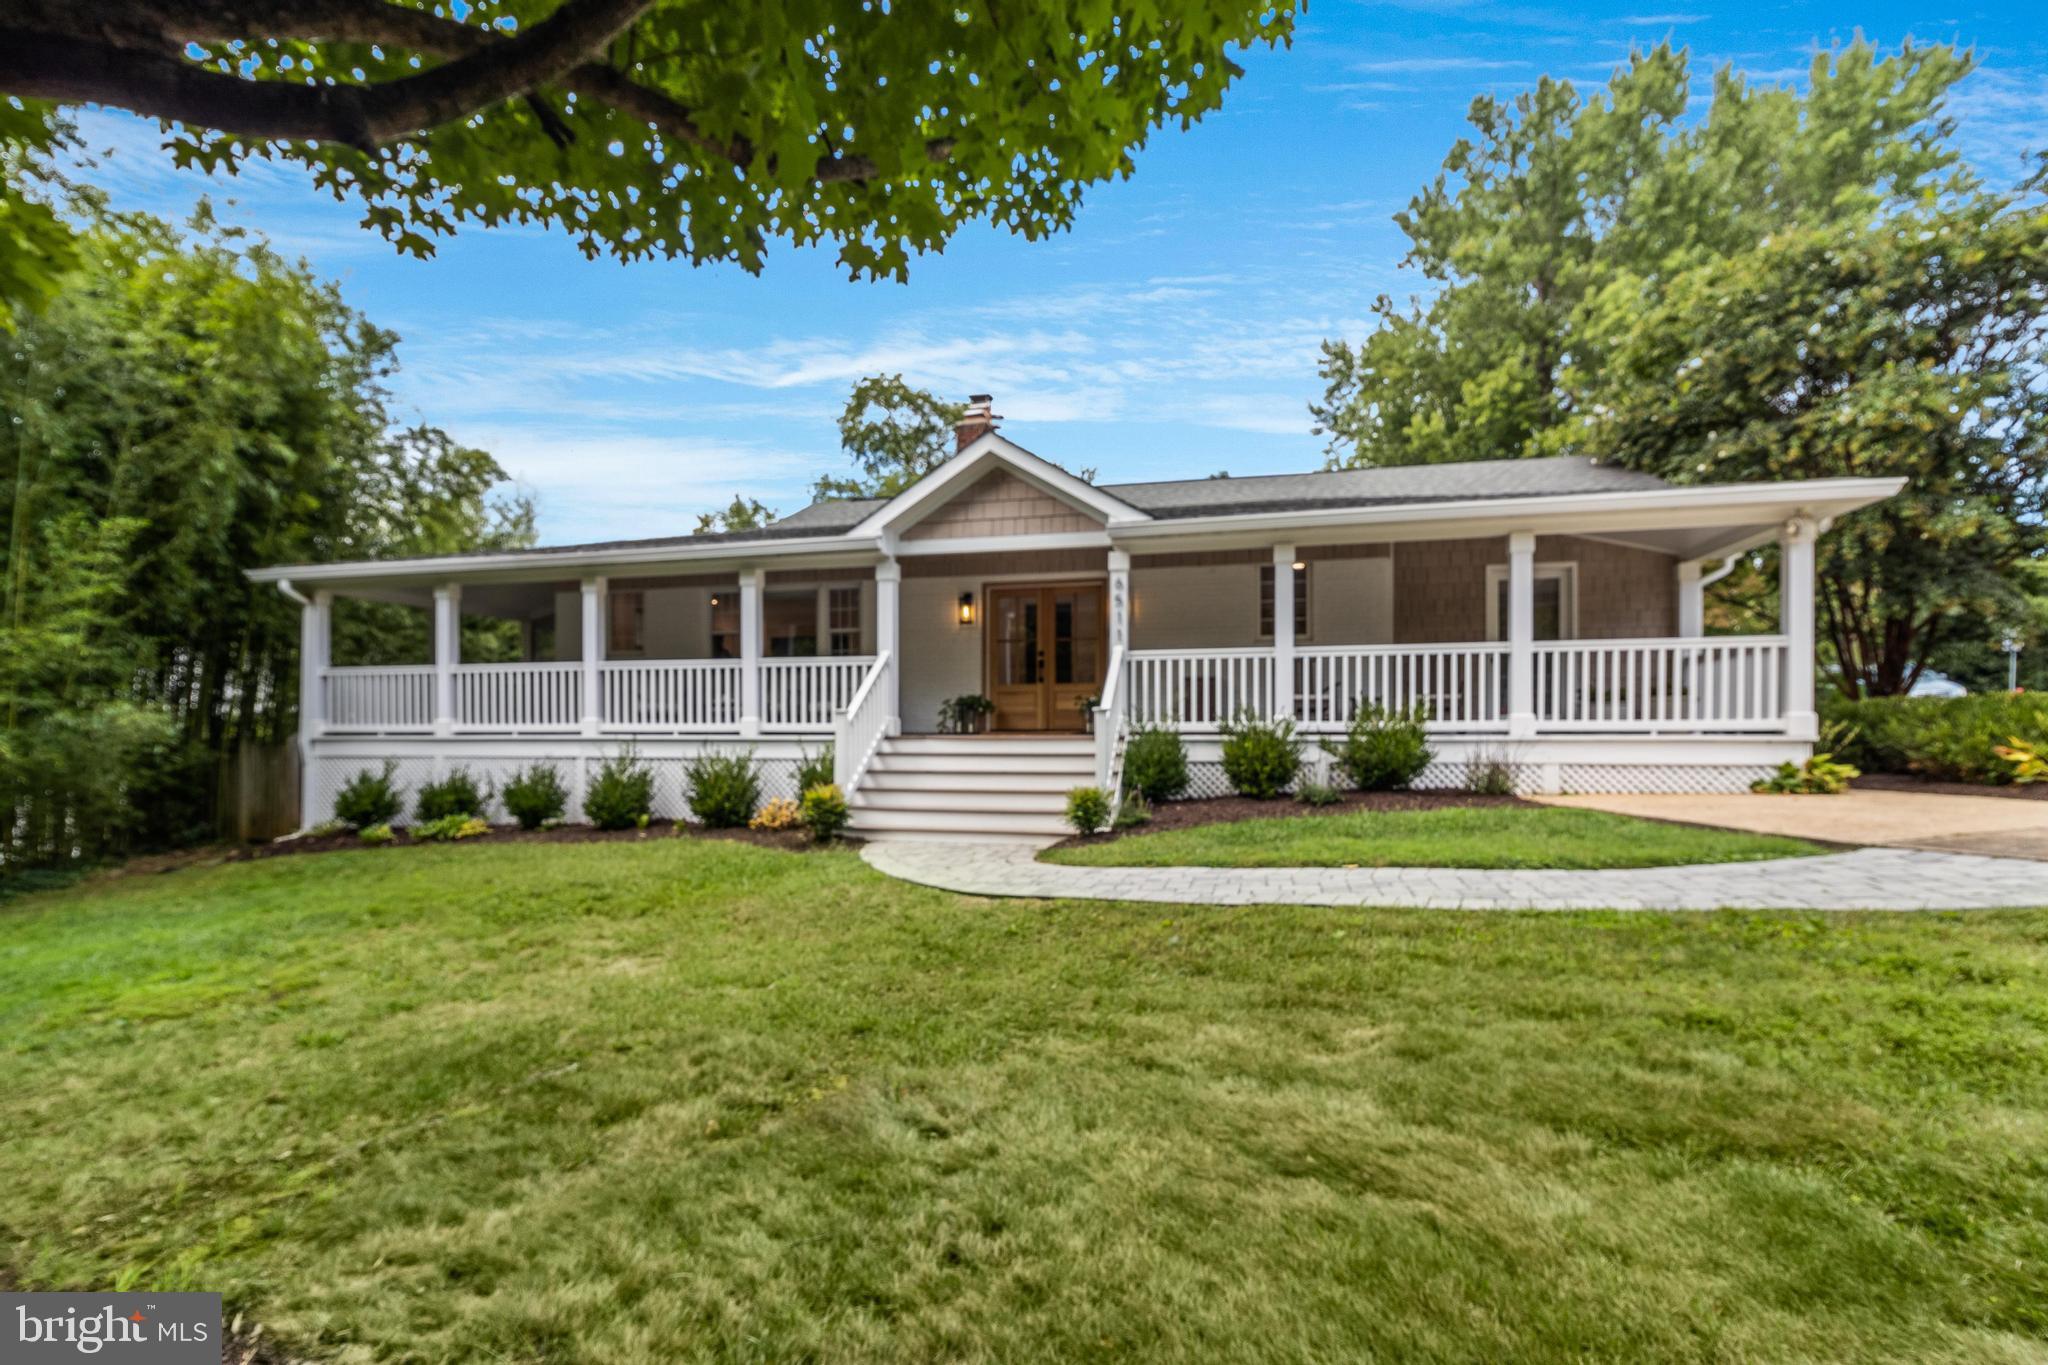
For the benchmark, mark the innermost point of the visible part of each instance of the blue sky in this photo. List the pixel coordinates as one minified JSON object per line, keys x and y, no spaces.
{"x":1173,"y":333}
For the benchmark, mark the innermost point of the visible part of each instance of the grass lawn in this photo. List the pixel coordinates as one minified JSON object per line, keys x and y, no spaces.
{"x":1457,"y":836}
{"x":685,"y":1101}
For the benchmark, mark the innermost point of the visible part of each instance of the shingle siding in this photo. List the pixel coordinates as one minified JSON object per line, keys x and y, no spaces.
{"x":1440,"y":588}
{"x":1001,"y":504}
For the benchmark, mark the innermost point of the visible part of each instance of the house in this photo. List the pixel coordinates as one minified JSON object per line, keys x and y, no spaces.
{"x":1542,"y":612}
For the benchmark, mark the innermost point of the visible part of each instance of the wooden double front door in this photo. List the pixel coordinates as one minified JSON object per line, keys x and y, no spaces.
{"x":1046,"y":648}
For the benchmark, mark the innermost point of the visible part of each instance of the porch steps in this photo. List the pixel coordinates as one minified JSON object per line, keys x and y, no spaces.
{"x":972,"y":789}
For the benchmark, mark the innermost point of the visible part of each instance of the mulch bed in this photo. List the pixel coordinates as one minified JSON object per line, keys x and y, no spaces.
{"x":1220,"y":810}
{"x":792,"y":840}
{"x":1906,"y":782}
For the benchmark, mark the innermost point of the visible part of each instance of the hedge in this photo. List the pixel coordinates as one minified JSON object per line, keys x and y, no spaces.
{"x":1948,"y":738}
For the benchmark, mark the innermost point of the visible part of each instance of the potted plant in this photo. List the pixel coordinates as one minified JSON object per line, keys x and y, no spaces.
{"x":1087,"y":707}
{"x":965,"y":715}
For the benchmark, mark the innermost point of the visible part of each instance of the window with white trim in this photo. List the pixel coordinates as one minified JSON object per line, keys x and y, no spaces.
{"x":842,"y":620}
{"x":626,"y":624}
{"x":1301,"y":583}
{"x":1556,"y":591}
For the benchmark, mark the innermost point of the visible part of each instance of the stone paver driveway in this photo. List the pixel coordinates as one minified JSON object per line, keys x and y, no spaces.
{"x":1865,"y":879}
{"x":1937,"y":822}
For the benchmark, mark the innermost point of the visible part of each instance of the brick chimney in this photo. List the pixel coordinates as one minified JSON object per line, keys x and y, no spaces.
{"x":979,"y":419}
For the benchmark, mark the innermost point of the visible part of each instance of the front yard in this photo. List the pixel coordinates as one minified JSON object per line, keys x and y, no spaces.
{"x":679,"y":1100}
{"x":1478,"y":835}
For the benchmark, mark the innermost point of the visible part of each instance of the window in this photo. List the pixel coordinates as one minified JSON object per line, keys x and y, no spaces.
{"x":626,"y":631}
{"x":1266,"y":602}
{"x":725,"y":623}
{"x":842,"y":620}
{"x":1557,"y":601}
{"x":789,"y":621}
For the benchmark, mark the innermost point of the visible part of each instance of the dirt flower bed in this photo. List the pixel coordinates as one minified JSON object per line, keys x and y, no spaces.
{"x":560,"y":834}
{"x":1219,"y":810}
{"x":1901,"y":782}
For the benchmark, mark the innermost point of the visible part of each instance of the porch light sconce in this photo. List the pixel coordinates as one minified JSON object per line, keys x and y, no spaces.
{"x":1298,"y":565}
{"x":966,"y":608}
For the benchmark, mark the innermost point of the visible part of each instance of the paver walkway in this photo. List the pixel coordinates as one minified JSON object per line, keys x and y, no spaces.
{"x":1866,"y":879}
{"x":1941,"y":822}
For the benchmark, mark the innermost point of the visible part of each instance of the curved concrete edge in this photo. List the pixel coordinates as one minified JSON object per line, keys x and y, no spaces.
{"x":1865,"y":879}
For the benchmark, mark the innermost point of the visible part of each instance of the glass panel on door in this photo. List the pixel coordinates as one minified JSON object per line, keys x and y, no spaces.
{"x":1077,"y":634}
{"x":1016,"y":639}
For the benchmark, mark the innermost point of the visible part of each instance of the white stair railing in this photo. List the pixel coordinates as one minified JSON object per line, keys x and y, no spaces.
{"x":860,"y":727}
{"x":1112,"y":724}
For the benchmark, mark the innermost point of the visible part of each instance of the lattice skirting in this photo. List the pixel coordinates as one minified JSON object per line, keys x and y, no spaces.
{"x":1205,"y":779}
{"x":671,"y":780}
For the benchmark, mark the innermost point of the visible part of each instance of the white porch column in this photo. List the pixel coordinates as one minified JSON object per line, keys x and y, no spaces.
{"x":750,"y":650}
{"x":1283,"y":630}
{"x":1692,"y":600}
{"x":1795,"y":622}
{"x":889,"y":637}
{"x":1522,"y":634}
{"x":1119,"y":600}
{"x":596,"y":604}
{"x":447,"y":654}
{"x":316,"y":650}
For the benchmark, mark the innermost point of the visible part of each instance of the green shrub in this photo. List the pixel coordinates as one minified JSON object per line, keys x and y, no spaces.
{"x":1954,"y":739}
{"x":1134,"y":811}
{"x":370,"y":798}
{"x":1489,"y":775}
{"x":1260,"y":757}
{"x":453,"y":826}
{"x":2028,"y":759}
{"x":621,"y":794}
{"x":1818,"y":776}
{"x":376,"y":834}
{"x":1087,"y":809}
{"x":1382,"y":749}
{"x":1317,"y":794}
{"x":814,"y":770}
{"x":725,"y":789}
{"x":824,"y":811}
{"x":1156,"y":763}
{"x":534,"y":796}
{"x":456,"y":794}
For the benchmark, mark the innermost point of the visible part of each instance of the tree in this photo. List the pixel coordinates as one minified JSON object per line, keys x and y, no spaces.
{"x":896,"y":435}
{"x":1910,"y":347}
{"x":744,"y":514}
{"x":187,"y":407}
{"x":1558,"y":212}
{"x":647,"y":128}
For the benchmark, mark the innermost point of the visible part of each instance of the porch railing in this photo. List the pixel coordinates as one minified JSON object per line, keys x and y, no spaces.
{"x":668,"y":694}
{"x":1720,"y":683}
{"x":805,"y":694}
{"x":1704,"y":685}
{"x":392,"y":698}
{"x":859,"y":727}
{"x":1198,"y":689}
{"x":1458,"y":687}
{"x":525,"y":696}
